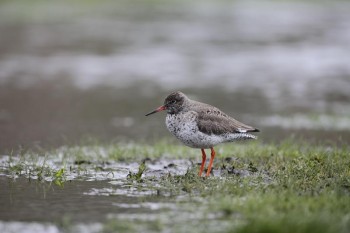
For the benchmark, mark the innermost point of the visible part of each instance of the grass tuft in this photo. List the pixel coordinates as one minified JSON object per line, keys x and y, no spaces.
{"x":137,"y":176}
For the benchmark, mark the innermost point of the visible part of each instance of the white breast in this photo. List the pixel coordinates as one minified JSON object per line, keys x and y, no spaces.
{"x":181,"y":125}
{"x":184,"y":127}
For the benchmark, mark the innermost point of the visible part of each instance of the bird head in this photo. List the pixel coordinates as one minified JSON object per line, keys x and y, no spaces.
{"x":173,"y":103}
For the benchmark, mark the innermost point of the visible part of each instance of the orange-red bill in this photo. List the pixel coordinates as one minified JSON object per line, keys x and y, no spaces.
{"x":161,"y":108}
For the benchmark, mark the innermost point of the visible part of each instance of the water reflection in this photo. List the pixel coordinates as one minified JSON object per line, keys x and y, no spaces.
{"x":25,"y":200}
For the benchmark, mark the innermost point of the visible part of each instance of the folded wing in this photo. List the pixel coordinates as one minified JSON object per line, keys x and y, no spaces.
{"x":217,"y":122}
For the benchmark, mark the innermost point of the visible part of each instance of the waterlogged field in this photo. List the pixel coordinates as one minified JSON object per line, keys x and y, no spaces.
{"x":289,"y":187}
{"x":94,"y":68}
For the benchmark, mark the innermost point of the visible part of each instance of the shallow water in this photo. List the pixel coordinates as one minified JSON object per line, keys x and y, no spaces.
{"x":95,"y":70}
{"x":80,"y":206}
{"x":97,"y":190}
{"x":22,"y":200}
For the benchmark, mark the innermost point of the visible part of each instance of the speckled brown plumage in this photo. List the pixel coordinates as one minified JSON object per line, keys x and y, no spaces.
{"x":201,"y":125}
{"x":213,"y":121}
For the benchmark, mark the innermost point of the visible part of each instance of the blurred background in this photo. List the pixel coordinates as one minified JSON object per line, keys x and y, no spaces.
{"x":76,"y":69}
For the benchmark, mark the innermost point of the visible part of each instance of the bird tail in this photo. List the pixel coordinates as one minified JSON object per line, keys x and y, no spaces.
{"x":241,"y":136}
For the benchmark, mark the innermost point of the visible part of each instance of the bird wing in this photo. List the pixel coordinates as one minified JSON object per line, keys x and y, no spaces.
{"x":214,"y":121}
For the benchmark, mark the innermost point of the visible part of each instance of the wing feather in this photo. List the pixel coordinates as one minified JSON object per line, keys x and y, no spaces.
{"x":214,"y":121}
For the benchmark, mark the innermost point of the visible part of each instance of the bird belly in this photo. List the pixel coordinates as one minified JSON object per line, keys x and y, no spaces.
{"x":184,"y":128}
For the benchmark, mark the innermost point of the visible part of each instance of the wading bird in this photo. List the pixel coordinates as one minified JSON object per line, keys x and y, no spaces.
{"x":200,"y":125}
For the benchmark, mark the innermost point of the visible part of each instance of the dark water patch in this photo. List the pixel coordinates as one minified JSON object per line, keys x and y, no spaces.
{"x":54,"y":114}
{"x":95,"y":69}
{"x":25,"y":200}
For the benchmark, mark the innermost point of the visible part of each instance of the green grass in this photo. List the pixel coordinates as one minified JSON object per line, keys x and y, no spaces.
{"x":287,"y":187}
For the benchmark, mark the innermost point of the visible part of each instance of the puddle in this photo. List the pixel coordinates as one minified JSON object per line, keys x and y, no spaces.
{"x":77,"y":201}
{"x":23,"y":227}
{"x":35,"y":227}
{"x":130,"y":192}
{"x":148,"y":205}
{"x":90,"y":206}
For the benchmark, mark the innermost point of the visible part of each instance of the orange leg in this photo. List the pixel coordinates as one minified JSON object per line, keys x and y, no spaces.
{"x":204,"y":156}
{"x":211,"y":160}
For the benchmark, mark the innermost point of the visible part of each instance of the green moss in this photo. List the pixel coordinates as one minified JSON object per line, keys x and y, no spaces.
{"x":137,"y":176}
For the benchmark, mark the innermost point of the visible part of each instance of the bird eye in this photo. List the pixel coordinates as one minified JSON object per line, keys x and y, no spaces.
{"x":173,"y":102}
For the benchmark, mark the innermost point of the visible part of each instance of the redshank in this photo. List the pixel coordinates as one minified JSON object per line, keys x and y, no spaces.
{"x":200,"y":125}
